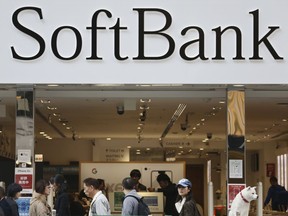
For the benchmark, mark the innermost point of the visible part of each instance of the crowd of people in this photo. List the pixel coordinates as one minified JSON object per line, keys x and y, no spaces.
{"x":93,"y":198}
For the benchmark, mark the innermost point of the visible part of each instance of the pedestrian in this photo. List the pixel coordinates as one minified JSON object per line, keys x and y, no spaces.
{"x":130,"y":204}
{"x":76,"y":207}
{"x":103,"y":187}
{"x":136,"y":174}
{"x":99,"y":204}
{"x":273,"y":194}
{"x":13,"y":193}
{"x":170,"y":192}
{"x":62,"y":202}
{"x":38,"y":204}
{"x":185,"y":204}
{"x":4,"y":205}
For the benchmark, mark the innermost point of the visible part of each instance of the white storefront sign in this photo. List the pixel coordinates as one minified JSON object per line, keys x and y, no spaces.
{"x":145,"y":41}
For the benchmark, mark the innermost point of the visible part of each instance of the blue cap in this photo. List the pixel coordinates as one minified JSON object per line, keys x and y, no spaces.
{"x":184,"y":183}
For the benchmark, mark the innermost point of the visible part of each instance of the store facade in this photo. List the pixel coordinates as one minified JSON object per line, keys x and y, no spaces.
{"x":143,"y":42}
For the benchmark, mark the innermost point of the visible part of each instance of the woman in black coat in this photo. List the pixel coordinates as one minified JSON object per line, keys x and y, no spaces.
{"x":62,"y":201}
{"x":185,"y":204}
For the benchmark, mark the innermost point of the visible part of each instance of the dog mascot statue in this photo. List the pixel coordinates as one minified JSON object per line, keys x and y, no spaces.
{"x":241,"y":203}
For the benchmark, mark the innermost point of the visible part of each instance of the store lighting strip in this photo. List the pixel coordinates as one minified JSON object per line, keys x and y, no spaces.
{"x":175,"y":116}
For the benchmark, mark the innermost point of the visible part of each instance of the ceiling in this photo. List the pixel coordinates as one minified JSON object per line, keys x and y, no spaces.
{"x":90,"y":112}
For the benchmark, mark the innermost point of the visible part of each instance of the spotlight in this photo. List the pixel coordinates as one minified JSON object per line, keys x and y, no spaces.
{"x":49,"y":118}
{"x":120,"y":110}
{"x":143,"y":116}
{"x":209,"y":135}
{"x":73,"y":136}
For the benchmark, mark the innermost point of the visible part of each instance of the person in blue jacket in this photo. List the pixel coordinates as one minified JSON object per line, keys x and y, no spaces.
{"x":273,"y":193}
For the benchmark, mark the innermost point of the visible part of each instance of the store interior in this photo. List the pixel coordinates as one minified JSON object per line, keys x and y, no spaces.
{"x":155,"y":122}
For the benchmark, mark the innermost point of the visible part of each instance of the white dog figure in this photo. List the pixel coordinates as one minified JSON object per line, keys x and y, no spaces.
{"x":241,"y":203}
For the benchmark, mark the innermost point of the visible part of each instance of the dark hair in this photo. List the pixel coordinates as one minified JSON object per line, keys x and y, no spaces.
{"x":13,"y":189}
{"x":163,"y":177}
{"x":129,"y":183}
{"x":101,"y":184}
{"x":40,"y":186}
{"x":273,"y":179}
{"x":61,"y":183}
{"x":51,"y":180}
{"x":92,"y":182}
{"x":82,"y":194}
{"x":59,"y":179}
{"x":188,"y":196}
{"x":135,"y":173}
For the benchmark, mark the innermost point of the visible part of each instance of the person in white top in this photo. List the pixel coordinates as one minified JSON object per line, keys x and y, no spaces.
{"x":99,"y":204}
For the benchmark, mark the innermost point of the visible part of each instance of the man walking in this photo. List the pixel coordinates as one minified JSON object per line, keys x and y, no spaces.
{"x":99,"y":204}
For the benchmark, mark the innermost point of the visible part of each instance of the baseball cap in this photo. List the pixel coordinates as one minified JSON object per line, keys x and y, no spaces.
{"x":184,"y":183}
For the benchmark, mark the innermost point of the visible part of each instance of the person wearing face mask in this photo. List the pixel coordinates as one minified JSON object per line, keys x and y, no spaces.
{"x":185,"y":204}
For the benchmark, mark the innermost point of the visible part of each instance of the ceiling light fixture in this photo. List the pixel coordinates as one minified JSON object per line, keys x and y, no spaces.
{"x":174,"y":117}
{"x":73,"y":136}
{"x":145,"y":100}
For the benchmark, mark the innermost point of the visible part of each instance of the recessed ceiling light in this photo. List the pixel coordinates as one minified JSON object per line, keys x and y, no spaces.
{"x":148,"y":149}
{"x":284,"y":120}
{"x":222,"y":102}
{"x":108,"y":138}
{"x":52,"y":85}
{"x":129,"y":147}
{"x":138,"y":153}
{"x":45,"y":101}
{"x":238,"y":85}
{"x":145,"y":100}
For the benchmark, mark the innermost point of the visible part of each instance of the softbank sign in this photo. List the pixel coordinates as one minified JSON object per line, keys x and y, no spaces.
{"x":144,"y":41}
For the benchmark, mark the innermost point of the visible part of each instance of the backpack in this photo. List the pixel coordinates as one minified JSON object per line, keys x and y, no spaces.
{"x":143,"y":208}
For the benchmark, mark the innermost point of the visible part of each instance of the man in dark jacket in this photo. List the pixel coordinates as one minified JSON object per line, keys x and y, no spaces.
{"x":273,"y":193}
{"x":62,"y":204}
{"x":4,"y":205}
{"x":170,"y":192}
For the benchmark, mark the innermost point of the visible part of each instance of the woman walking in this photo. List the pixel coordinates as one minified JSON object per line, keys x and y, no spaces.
{"x":185,"y":204}
{"x":38,"y":203}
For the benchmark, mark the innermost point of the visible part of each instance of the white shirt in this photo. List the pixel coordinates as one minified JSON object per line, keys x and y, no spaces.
{"x":180,"y":204}
{"x":99,"y":205}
